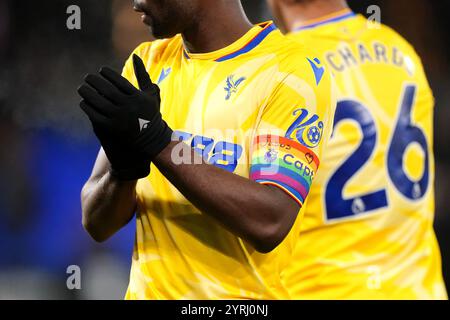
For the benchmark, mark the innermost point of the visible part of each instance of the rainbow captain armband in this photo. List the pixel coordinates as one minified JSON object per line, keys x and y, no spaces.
{"x":284,"y":163}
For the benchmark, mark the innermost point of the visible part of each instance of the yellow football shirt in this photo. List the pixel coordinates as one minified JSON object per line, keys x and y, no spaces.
{"x":367,"y":231}
{"x":261,"y":108}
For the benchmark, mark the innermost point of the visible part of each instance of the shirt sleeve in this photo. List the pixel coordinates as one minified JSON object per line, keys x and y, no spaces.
{"x":294,"y":127}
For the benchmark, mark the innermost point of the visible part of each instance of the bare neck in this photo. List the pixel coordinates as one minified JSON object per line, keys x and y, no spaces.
{"x":216,"y":27}
{"x":301,"y":13}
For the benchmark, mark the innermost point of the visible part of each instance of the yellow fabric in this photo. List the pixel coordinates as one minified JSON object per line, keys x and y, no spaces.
{"x":390,"y":252}
{"x":179,"y":252}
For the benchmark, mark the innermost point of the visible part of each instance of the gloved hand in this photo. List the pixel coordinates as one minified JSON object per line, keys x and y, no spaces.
{"x":126,"y":120}
{"x":126,"y":164}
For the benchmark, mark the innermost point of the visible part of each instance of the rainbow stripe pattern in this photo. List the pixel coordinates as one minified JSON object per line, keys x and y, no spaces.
{"x":284,"y":163}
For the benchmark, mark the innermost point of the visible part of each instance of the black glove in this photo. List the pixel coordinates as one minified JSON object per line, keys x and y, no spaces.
{"x":126,"y":120}
{"x":126,"y":164}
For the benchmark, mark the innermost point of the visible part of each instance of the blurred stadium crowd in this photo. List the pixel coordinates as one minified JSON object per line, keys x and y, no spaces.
{"x":47,"y":149}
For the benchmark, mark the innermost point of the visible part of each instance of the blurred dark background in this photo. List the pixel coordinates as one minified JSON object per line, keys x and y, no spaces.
{"x":47,"y":149}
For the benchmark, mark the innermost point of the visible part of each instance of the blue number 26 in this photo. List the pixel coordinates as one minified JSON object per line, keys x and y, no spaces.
{"x":405,"y":133}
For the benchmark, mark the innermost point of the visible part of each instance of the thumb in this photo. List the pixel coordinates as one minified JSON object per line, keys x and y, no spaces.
{"x":143,"y":79}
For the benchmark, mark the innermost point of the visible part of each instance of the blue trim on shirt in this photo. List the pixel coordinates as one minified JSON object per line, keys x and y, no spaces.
{"x":336,"y":19}
{"x":251,"y":45}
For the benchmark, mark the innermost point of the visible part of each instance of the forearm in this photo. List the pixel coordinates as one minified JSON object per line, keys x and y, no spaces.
{"x":260,"y":214}
{"x":108,"y":205}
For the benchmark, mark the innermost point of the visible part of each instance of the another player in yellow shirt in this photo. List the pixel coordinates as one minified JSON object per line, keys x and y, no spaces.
{"x":367,"y":231}
{"x":250,"y":111}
